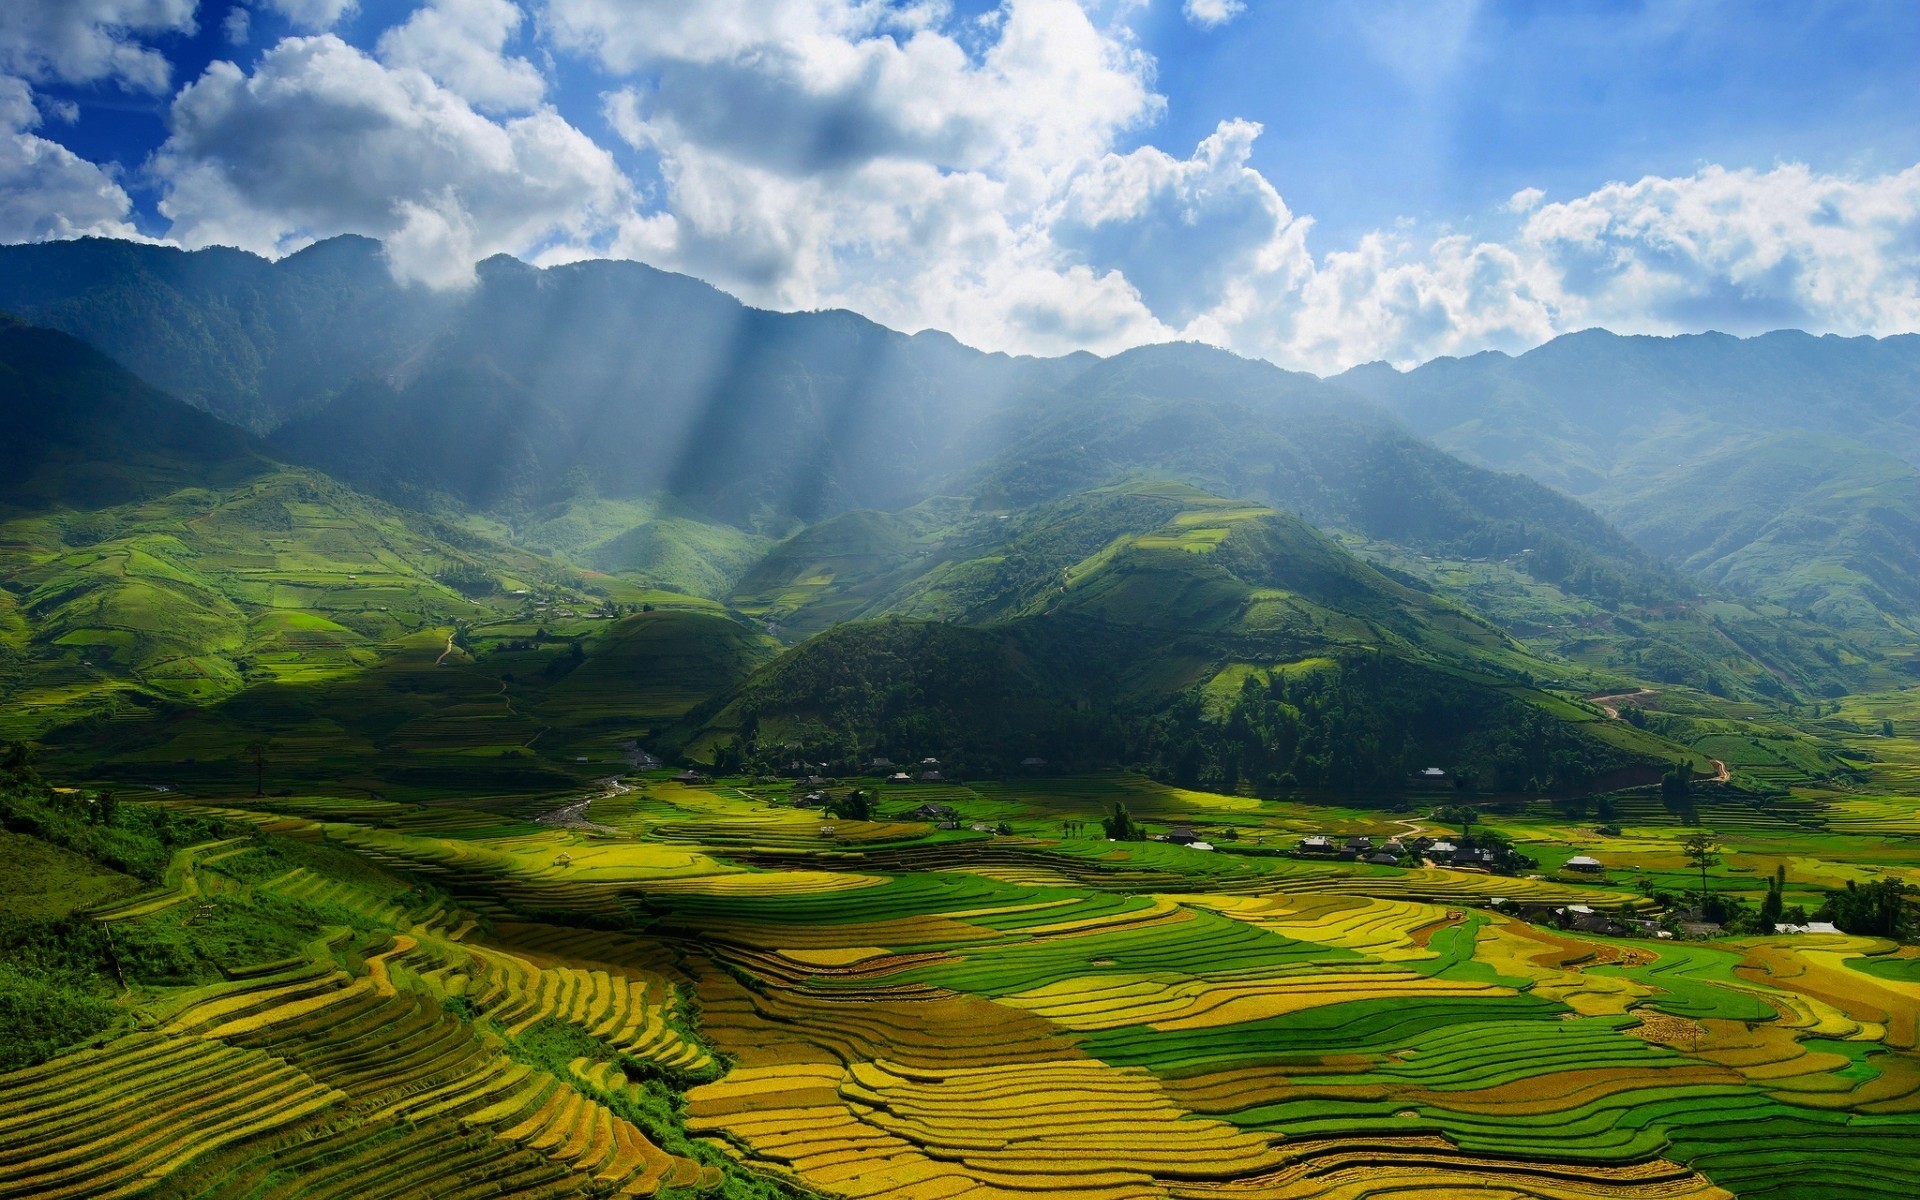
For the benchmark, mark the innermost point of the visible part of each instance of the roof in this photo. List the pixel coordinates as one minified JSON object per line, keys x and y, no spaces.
{"x":1582,"y":860}
{"x":1199,"y":845}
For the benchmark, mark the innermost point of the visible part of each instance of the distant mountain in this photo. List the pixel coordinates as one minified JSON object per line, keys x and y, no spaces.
{"x":1707,"y":449}
{"x":1821,"y":524}
{"x":611,"y":379}
{"x":249,"y":340}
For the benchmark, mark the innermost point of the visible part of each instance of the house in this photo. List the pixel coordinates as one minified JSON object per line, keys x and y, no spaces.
{"x":881,"y":764}
{"x":929,"y":762}
{"x":932,"y":812}
{"x":948,"y":825}
{"x":1809,"y":927}
{"x":931,"y":777}
{"x":689,"y":777}
{"x":1593,"y":922}
{"x":1359,"y":845}
{"x":1199,"y":845}
{"x":1180,"y":835}
{"x":1582,"y":862}
{"x":1394,"y":846}
{"x":1033,"y":762}
{"x":1473,"y":858}
{"x":1441,"y":850}
{"x":981,"y":827}
{"x":1383,"y":860}
{"x":1432,"y":773}
{"x":899,"y":777}
{"x":811,"y":800}
{"x":1316,"y":844}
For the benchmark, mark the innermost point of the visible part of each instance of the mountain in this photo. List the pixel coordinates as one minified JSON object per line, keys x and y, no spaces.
{"x":1819,"y":523}
{"x":536,"y":390}
{"x":1734,"y":458}
{"x":1579,"y":410}
{"x":249,"y":340}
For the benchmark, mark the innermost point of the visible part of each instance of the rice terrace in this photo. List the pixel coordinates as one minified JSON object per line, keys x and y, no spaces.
{"x":961,"y":600}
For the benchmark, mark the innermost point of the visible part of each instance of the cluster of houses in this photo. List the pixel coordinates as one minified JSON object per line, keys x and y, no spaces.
{"x":929,"y":771}
{"x":1395,"y":852}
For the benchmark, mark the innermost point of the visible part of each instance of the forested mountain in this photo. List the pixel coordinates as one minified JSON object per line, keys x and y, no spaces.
{"x":1744,"y":460}
{"x":1115,"y":548}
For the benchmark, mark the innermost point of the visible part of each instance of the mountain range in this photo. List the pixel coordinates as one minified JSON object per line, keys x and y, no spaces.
{"x":244,"y":486}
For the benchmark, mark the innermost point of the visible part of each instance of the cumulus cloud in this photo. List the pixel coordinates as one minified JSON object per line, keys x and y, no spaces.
{"x":816,"y":152}
{"x":1211,"y":14}
{"x":86,"y":41}
{"x":461,"y":44}
{"x":1738,"y":251}
{"x":322,"y":139}
{"x":46,"y":191}
{"x":314,"y":16}
{"x":981,"y":175}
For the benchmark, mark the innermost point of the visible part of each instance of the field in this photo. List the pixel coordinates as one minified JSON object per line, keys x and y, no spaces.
{"x":702,"y":989}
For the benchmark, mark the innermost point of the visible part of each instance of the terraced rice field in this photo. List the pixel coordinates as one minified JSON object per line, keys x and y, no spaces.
{"x":919,"y":1016}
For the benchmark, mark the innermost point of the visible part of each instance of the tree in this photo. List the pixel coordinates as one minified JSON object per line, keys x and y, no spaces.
{"x":854,"y":806}
{"x":1883,"y":908}
{"x":1775,"y":903}
{"x":1120,"y":826}
{"x":1702,"y":851}
{"x":106,"y":807}
{"x":1886,"y":727}
{"x":257,"y":751}
{"x":1463,"y":815}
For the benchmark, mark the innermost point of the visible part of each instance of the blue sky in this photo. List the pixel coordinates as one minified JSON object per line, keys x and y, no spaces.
{"x":1319,"y":184}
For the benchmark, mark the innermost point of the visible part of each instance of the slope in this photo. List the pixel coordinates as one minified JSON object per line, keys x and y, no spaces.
{"x":1818,"y":523}
{"x":150,"y":552}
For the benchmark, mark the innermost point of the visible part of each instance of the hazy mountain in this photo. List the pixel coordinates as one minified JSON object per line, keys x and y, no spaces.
{"x":538,"y":395}
{"x":1577,"y":410}
{"x":1819,"y":523}
{"x":1744,"y":460}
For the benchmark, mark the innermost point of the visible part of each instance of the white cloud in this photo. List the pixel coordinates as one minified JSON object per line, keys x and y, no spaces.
{"x":858,"y":153}
{"x":1525,"y":200}
{"x":46,"y":191}
{"x":321,"y":139}
{"x":238,"y":27}
{"x":314,"y":16}
{"x":85,"y":41}
{"x":1211,"y":14}
{"x":461,"y":43}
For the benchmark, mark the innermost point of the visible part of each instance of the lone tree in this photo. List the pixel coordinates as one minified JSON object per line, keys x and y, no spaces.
{"x":1886,"y":727}
{"x":1774,"y":906}
{"x":257,"y":750}
{"x":1120,"y":826}
{"x":1703,"y":852}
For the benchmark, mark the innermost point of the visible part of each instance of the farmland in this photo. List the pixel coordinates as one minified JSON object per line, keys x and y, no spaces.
{"x":702,"y":989}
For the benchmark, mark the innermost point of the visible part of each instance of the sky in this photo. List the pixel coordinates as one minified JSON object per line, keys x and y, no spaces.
{"x":1317,"y":184}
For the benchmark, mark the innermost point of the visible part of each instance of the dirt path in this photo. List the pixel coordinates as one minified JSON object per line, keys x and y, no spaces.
{"x":1611,"y":704}
{"x":1720,"y":772}
{"x":443,"y":654}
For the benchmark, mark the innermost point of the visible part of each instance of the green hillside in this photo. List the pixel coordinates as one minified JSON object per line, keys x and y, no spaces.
{"x":1820,"y":524}
{"x":1780,"y":467}
{"x":1211,"y":640}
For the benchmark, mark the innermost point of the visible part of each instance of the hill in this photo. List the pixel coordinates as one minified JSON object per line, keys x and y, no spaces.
{"x":153,"y":554}
{"x":1162,"y":626}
